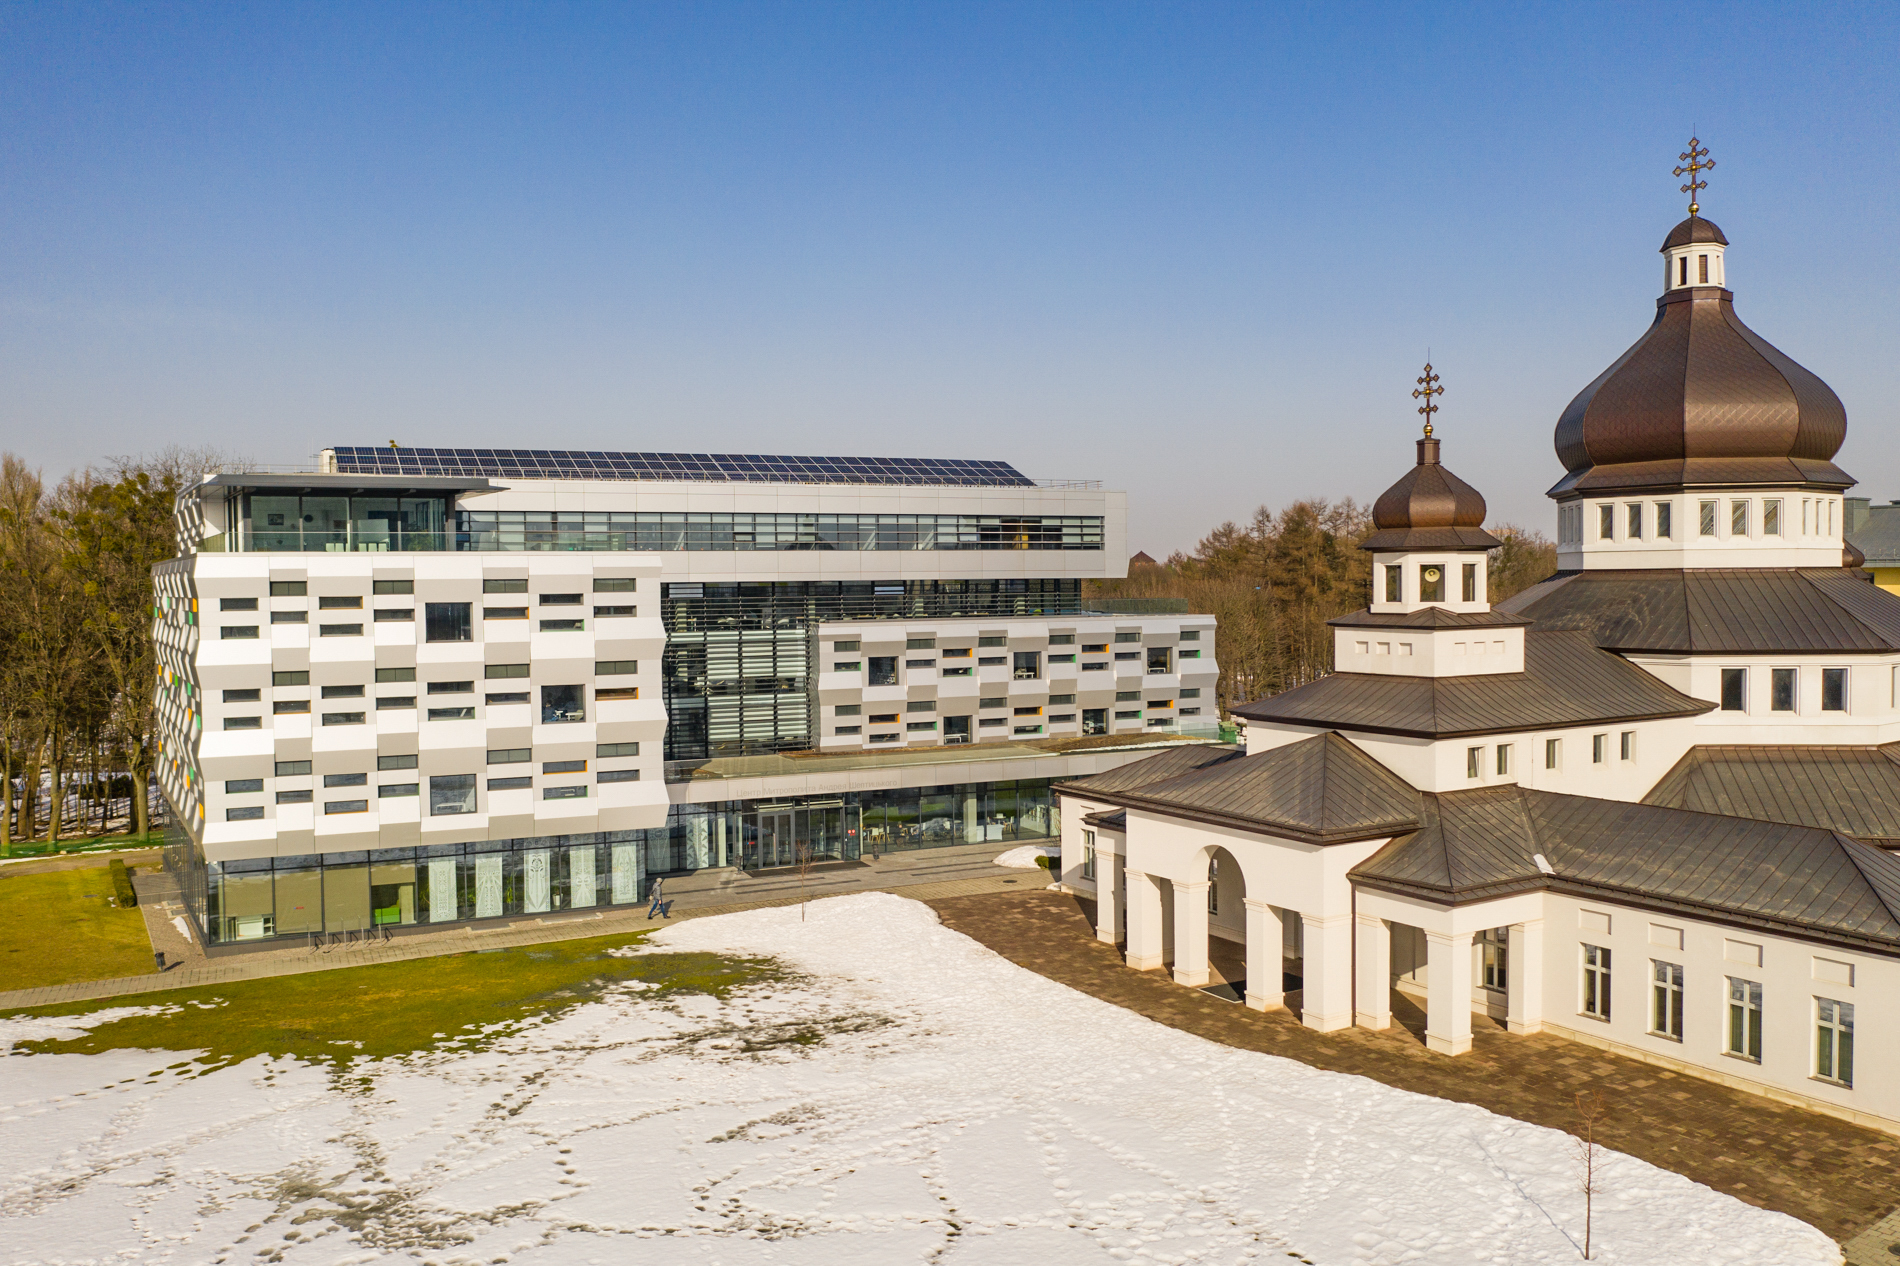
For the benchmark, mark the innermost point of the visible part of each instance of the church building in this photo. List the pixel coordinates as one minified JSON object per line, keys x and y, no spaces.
{"x":1646,"y":804}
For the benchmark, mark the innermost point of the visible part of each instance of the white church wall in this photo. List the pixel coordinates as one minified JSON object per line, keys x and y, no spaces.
{"x":1870,"y":716}
{"x":1806,"y":530}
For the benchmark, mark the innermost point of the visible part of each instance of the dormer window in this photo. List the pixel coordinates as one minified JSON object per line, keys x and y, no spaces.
{"x":1663,"y":527}
{"x":1606,"y":523}
{"x":1635,"y":521}
{"x":1771,"y":517}
{"x":1738,"y":518}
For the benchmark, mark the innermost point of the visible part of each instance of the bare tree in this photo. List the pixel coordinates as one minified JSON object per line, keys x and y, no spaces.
{"x":1591,"y":1109}
{"x":802,"y":861}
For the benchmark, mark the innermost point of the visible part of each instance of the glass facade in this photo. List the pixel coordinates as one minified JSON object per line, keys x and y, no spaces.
{"x":343,"y":524}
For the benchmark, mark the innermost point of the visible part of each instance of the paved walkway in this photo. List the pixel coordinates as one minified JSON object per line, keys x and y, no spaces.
{"x":925,"y":875}
{"x":1836,"y":1176}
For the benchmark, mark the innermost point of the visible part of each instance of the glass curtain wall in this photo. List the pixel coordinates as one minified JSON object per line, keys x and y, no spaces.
{"x":652,"y":530}
{"x":342,"y":524}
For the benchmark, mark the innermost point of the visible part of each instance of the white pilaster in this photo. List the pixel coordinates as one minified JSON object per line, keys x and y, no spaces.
{"x":1524,"y":982}
{"x":1326,"y":975}
{"x":1108,"y":897}
{"x":1144,"y":951}
{"x":1372,"y":1000}
{"x":1190,"y":933}
{"x":1266,"y":955}
{"x":1448,"y":993}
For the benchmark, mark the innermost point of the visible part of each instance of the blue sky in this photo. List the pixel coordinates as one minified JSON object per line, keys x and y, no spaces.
{"x":1195,"y":250}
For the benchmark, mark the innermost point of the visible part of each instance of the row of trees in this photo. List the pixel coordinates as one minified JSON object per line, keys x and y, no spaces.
{"x":76,"y":662}
{"x":1276,"y":580}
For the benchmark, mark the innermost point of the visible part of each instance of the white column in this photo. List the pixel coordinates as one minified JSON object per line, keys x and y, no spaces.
{"x":1326,"y":974}
{"x":1524,"y":978}
{"x":1144,"y":921}
{"x":1190,"y":933}
{"x":1448,"y":993}
{"x":1266,"y":955}
{"x":1372,"y":957}
{"x":1108,"y":896}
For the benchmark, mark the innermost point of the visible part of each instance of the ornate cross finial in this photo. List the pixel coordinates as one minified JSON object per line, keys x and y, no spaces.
{"x":1694,"y":158}
{"x":1427,"y":388}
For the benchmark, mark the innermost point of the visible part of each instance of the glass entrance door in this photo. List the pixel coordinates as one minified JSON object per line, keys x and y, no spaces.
{"x":769,"y":840}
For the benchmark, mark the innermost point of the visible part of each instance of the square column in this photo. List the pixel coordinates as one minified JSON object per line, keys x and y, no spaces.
{"x":1190,"y":933}
{"x":1266,"y":955}
{"x":1524,"y":978}
{"x":1372,"y":1002}
{"x":1326,"y":978}
{"x":1448,"y":993}
{"x":1108,"y":897}
{"x":1144,"y":951}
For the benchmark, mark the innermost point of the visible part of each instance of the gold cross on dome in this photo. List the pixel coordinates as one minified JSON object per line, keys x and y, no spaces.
{"x":1427,"y":388}
{"x":1694,"y":158}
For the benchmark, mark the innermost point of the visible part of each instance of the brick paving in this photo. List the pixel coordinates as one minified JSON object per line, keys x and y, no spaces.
{"x":1831,"y":1174}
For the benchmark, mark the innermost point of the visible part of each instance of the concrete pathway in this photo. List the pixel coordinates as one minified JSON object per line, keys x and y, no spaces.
{"x":925,"y":875}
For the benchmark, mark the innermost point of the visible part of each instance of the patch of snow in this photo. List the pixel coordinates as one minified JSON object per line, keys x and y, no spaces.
{"x":184,"y":928}
{"x":911,"y":1097}
{"x":1024,"y":857}
{"x":64,"y":1028}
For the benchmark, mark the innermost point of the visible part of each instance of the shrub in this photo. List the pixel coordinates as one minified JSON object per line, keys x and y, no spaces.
{"x":123,"y":895}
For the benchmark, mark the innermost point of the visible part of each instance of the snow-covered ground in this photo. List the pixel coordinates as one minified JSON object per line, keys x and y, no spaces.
{"x":957,"y":1109}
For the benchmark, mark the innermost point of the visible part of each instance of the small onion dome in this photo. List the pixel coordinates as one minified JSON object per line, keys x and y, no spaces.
{"x":1429,"y":508}
{"x":1852,"y":557}
{"x":1701,"y":400}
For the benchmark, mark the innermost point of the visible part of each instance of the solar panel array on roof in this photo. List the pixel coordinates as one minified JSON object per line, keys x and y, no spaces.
{"x":541,"y":463}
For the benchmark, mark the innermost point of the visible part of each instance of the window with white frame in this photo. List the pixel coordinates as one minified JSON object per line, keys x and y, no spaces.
{"x":1504,"y":760}
{"x":1596,"y":981}
{"x":1474,"y":762}
{"x":1495,"y":948}
{"x":1553,"y":753}
{"x":1664,"y":528}
{"x":1599,"y":748}
{"x":1634,"y":520}
{"x":1781,"y":693}
{"x":1088,"y":854}
{"x":1734,"y":690}
{"x":1606,"y":523}
{"x":1628,"y":744}
{"x":1213,"y":885}
{"x":1706,"y":517}
{"x":1744,"y":1019}
{"x":1771,"y":517}
{"x":1738,"y":518}
{"x":1665,"y":1013}
{"x":1834,"y":1041}
{"x":1833,"y":690}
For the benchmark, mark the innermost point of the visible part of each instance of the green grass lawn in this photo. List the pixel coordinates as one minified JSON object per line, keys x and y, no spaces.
{"x":92,"y":844}
{"x":60,"y":926}
{"x":395,"y":1008}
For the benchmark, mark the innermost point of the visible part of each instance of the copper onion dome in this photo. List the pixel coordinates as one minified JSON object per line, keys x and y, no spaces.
{"x":1429,"y":508}
{"x":1701,"y":400}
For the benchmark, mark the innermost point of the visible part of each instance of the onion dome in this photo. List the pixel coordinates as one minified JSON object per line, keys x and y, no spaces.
{"x":1428,"y":508}
{"x":1701,"y":400}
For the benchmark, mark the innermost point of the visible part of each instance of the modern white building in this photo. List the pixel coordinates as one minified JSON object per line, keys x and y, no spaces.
{"x":425,"y":686}
{"x":1647,"y":804}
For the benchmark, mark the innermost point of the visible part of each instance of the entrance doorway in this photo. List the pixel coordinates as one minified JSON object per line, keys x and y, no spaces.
{"x":776,"y":836}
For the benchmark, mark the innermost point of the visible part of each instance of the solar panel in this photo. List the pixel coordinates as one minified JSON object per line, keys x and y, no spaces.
{"x":521,"y":463}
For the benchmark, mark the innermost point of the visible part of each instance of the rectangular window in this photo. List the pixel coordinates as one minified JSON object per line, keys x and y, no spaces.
{"x":243,"y":696}
{"x":846,"y":666}
{"x":295,"y":678}
{"x":1504,"y":760}
{"x":500,"y":672}
{"x":604,"y":750}
{"x":996,"y":639}
{"x":920,"y":663}
{"x":607,"y":694}
{"x":1665,"y":1013}
{"x":346,"y":780}
{"x":1738,"y":518}
{"x":391,"y":790}
{"x":1628,"y":744}
{"x":563,"y":626}
{"x":1026,"y":729}
{"x":343,"y":718}
{"x":1771,"y":517}
{"x":1834,"y":1041}
{"x":248,"y":813}
{"x":615,"y":584}
{"x":335,"y":603}
{"x":1664,"y":528}
{"x":1634,"y":521}
{"x":1095,"y":720}
{"x":1192,"y":692}
{"x":512,"y":696}
{"x":505,"y":586}
{"x":1702,"y":270}
{"x":384,"y":763}
{"x":1744,"y":1019}
{"x":616,"y":611}
{"x":920,"y":644}
{"x":295,"y":797}
{"x":560,"y":600}
{"x":845,"y":731}
{"x":519,"y":783}
{"x":1088,"y":854}
{"x":1606,"y":523}
{"x":883,"y":671}
{"x":842,"y":647}
{"x":1064,"y":639}
{"x":238,"y":786}
{"x":924,"y":705}
{"x":346,"y":806}
{"x":1599,"y":748}
{"x":451,"y":794}
{"x":1474,"y":761}
{"x":510,"y":755}
{"x":343,"y":692}
{"x":1706,"y":513}
{"x":292,"y":768}
{"x":392,"y":586}
{"x":1060,"y":659}
{"x":1121,"y":696}
{"x":848,"y":709}
{"x":1470,"y":589}
{"x":1119,"y":655}
{"x":1031,"y":711}
{"x":290,"y":617}
{"x":1553,"y":753}
{"x":386,"y":615}
{"x":1028,"y":666}
{"x":1431,"y":583}
{"x":1734,"y":690}
{"x":561,"y":704}
{"x":452,"y":714}
{"x":964,"y":652}
{"x":237,"y":604}
{"x":289,"y":589}
{"x":916,"y":727}
{"x":884,"y":718}
{"x":892,"y":738}
{"x":1160,"y":659}
{"x":1596,"y":981}
{"x":1833,"y":690}
{"x":290,"y":706}
{"x":233,"y":632}
{"x":1095,"y":648}
{"x":1782,"y":687}
{"x":1394,"y":584}
{"x":394,"y":674}
{"x":449,"y":622}
{"x":616,"y":667}
{"x":504,"y":613}
{"x":339,"y":630}
{"x":618,"y":775}
{"x":1190,"y":635}
{"x":564,"y":767}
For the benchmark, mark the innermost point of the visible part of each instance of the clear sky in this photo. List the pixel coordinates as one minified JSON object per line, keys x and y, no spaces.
{"x":1197,"y":251}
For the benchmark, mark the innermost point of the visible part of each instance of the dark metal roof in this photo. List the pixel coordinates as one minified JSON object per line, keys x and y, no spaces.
{"x":1429,"y":508}
{"x":1566,"y":682}
{"x":1692,"y":230}
{"x":1164,"y":764}
{"x":542,"y":463}
{"x":1701,"y":400}
{"x":1878,"y":537}
{"x":1794,"y":880}
{"x":1718,"y":611}
{"x":1853,"y":790}
{"x":1116,"y":821}
{"x":1321,"y":790}
{"x":1429,"y":618}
